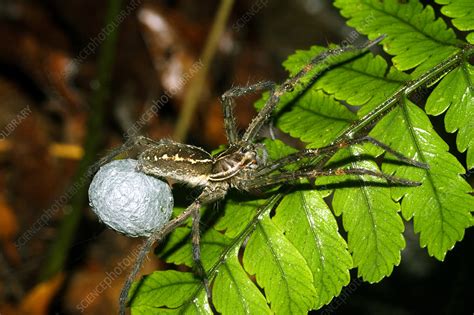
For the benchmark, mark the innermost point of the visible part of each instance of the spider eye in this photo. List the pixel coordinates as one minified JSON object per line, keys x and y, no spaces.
{"x":249,"y":158}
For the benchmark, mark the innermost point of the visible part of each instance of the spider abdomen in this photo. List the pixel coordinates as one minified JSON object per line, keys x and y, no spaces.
{"x":179,"y":162}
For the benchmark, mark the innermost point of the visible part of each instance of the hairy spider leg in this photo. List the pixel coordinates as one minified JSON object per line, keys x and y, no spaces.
{"x":289,"y":84}
{"x":196,"y":249}
{"x":146,"y":247}
{"x":208,"y":195}
{"x":284,"y":177}
{"x":130,"y":144}
{"x":228,"y":103}
{"x":331,"y":149}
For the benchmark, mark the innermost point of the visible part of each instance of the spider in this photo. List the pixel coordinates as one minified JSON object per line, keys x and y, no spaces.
{"x":244,"y":165}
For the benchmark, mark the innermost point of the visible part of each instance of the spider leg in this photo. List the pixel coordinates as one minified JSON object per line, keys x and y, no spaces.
{"x":310,"y":153}
{"x":263,"y":115}
{"x":155,"y":237}
{"x":228,"y":103}
{"x":272,"y":180}
{"x":208,"y":195}
{"x":130,"y":144}
{"x":196,"y":239}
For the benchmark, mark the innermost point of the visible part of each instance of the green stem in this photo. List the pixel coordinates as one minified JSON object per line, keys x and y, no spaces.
{"x":251,"y":226}
{"x":59,"y":250}
{"x":431,"y":75}
{"x":381,"y":110}
{"x":239,"y":239}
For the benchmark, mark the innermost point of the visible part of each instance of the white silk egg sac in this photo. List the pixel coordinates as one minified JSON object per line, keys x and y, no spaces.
{"x":128,"y":201}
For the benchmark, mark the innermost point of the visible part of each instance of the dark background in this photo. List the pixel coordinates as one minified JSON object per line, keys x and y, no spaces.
{"x":39,"y":40}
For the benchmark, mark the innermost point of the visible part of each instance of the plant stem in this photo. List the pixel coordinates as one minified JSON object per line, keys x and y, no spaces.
{"x":59,"y":250}
{"x":239,"y":239}
{"x":192,"y":96}
{"x":431,"y":75}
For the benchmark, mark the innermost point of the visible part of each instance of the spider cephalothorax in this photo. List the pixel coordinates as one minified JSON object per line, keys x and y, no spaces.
{"x":243,"y":165}
{"x":238,"y":160}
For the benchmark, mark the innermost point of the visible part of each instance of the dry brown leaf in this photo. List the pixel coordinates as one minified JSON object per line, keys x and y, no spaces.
{"x":8,"y":222}
{"x":8,"y":309}
{"x":66,"y":151}
{"x":39,"y":298}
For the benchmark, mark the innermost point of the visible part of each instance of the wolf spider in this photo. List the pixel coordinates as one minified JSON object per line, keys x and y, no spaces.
{"x":243,"y":165}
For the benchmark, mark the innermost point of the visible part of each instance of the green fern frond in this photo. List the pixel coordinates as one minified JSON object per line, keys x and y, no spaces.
{"x":415,"y":36}
{"x":370,"y":216}
{"x":234,"y":292}
{"x":307,"y":222}
{"x":441,"y":206}
{"x":461,"y":11}
{"x":280,"y":269}
{"x":455,"y":95}
{"x":169,"y":292}
{"x":325,"y":118}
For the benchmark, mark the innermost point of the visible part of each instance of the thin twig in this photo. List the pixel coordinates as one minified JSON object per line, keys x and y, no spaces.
{"x":192,"y":96}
